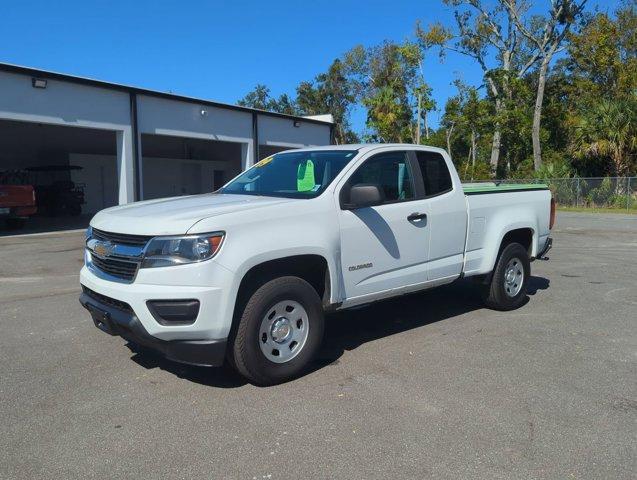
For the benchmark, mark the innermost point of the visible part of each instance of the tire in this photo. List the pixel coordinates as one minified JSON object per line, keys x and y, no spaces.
{"x":263,"y":349}
{"x":505,"y":292}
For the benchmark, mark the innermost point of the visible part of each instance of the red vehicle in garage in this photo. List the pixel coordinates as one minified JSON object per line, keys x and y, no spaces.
{"x":17,"y":204}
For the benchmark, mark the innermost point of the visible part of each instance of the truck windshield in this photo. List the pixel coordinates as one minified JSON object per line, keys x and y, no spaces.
{"x":292,"y":174}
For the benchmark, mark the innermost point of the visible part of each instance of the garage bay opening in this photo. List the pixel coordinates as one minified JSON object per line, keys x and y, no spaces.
{"x":174,"y":166}
{"x":71,"y":171}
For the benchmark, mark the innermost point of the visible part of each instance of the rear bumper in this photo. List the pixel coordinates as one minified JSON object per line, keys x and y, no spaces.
{"x":17,"y":212}
{"x":119,"y":319}
{"x":547,"y":246}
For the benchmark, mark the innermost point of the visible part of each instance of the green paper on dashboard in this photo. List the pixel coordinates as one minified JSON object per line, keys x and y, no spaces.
{"x":305,"y":176}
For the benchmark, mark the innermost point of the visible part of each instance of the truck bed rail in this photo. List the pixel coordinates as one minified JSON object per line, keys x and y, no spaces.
{"x":494,"y":187}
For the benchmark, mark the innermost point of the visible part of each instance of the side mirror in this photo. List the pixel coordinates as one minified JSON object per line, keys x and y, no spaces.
{"x":364,"y":195}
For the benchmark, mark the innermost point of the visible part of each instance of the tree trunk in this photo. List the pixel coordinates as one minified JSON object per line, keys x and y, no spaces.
{"x":537,"y":113}
{"x":473,"y":153}
{"x":495,"y":150}
{"x":426,"y":126}
{"x":418,"y":120}
{"x":340,"y":140}
{"x":497,"y":135}
{"x":448,"y":133}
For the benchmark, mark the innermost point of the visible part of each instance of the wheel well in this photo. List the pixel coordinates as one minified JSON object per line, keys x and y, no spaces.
{"x":523,"y":236}
{"x":311,"y":268}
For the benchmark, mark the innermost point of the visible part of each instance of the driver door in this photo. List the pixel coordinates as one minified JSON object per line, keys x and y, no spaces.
{"x":384,"y":247}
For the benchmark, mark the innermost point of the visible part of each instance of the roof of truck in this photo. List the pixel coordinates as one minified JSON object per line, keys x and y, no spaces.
{"x":368,"y":146}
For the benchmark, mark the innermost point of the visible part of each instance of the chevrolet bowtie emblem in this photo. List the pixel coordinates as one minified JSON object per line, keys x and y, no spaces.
{"x":103,"y":249}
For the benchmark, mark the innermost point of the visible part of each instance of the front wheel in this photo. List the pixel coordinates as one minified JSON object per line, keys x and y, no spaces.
{"x":279,"y":332}
{"x":507,"y":290}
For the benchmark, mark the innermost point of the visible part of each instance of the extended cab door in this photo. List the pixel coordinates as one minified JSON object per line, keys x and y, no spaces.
{"x":447,"y":215}
{"x":384,"y":247}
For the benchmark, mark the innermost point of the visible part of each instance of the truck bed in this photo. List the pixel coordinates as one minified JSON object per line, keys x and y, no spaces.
{"x":496,"y":208}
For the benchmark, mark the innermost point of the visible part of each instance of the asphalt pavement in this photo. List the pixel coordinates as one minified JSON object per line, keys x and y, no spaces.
{"x":432,"y":385}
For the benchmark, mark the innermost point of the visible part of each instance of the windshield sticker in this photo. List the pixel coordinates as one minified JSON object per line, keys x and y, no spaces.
{"x":264,"y":162}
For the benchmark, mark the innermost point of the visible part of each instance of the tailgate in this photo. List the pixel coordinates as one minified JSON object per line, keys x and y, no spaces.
{"x":17,"y":196}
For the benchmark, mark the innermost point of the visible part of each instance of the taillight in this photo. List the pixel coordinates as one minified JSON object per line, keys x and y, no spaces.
{"x":552,"y":218}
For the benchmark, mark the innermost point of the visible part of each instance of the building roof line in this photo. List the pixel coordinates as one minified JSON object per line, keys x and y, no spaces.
{"x":34,"y":72}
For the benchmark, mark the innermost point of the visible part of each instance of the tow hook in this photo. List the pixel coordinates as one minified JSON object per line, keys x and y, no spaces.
{"x":547,"y":247}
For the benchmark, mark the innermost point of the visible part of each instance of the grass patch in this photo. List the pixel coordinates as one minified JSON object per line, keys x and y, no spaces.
{"x":632,"y":211}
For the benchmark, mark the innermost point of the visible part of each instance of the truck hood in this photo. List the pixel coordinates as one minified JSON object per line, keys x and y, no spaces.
{"x":175,"y":216}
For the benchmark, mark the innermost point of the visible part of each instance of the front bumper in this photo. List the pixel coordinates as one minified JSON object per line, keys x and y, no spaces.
{"x":118,"y":318}
{"x":206,"y":282}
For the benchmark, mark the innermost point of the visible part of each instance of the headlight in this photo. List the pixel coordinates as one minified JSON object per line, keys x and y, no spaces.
{"x":89,"y":233}
{"x":168,"y":251}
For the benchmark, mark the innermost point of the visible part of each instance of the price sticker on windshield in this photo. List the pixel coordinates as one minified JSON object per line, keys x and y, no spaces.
{"x":264,"y":162}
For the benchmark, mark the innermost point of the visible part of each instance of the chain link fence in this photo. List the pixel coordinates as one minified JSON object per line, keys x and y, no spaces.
{"x":594,"y":192}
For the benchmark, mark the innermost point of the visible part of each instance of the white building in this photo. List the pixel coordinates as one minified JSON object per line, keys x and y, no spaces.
{"x":134,"y":144}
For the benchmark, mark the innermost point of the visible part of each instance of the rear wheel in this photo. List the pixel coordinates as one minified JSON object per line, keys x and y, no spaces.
{"x":279,"y":332}
{"x":507,"y":290}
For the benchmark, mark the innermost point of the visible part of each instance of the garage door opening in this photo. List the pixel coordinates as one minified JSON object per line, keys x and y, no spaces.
{"x":267,"y":150}
{"x":73,"y":170}
{"x":174,"y":166}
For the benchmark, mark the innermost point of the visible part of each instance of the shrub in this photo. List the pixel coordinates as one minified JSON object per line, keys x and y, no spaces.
{"x":623,"y":201}
{"x":601,"y":195}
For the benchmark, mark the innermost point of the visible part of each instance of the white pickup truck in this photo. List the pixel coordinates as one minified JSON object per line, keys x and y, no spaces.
{"x":245,"y":274}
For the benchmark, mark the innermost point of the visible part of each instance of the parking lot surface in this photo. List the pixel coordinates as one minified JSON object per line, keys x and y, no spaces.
{"x":431,"y":385}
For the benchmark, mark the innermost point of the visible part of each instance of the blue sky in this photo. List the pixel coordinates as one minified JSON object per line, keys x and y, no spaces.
{"x":216,"y":50}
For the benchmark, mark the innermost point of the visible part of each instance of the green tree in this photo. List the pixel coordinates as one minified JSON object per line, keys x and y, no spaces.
{"x":451,"y":118}
{"x":546,"y":35}
{"x":466,"y":123}
{"x":474,"y":112}
{"x":609,"y":129}
{"x":421,"y":92}
{"x":385,"y":78}
{"x":603,"y":56}
{"x":330,"y":92}
{"x":489,"y":37}
{"x":261,"y":99}
{"x":600,"y":91}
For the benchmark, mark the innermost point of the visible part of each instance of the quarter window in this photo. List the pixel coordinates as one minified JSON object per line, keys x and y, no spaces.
{"x":435,"y":174}
{"x":391,"y":172}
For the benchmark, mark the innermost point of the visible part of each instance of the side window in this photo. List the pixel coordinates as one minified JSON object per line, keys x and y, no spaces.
{"x":391,"y":172}
{"x":435,"y":174}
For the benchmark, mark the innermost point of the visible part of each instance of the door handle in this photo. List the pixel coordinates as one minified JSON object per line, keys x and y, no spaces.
{"x":416,"y":216}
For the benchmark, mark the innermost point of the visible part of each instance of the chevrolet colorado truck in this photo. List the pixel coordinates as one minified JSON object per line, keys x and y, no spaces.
{"x":246,"y":273}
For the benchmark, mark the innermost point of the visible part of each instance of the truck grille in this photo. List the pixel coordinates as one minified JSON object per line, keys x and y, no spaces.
{"x":118,"y":255}
{"x":121,"y":238}
{"x":124,"y":269}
